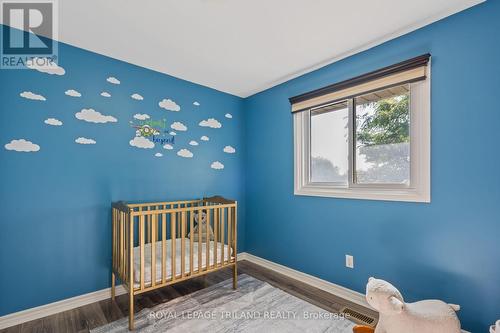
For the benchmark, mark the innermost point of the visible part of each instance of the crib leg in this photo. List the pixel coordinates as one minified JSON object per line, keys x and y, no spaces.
{"x":131,"y":312}
{"x":113,"y":281}
{"x":235,"y":276}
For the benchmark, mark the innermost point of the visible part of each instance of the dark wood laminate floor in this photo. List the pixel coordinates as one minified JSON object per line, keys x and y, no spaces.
{"x":96,"y":314}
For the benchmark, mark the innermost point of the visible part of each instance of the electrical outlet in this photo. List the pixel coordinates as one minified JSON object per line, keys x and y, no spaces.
{"x":349,"y":261}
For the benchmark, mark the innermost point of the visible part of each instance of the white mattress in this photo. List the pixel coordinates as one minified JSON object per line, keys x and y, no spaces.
{"x":178,"y":245}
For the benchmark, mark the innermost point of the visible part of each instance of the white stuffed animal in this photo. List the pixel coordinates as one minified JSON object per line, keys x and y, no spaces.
{"x":495,"y":328}
{"x":396,"y":316}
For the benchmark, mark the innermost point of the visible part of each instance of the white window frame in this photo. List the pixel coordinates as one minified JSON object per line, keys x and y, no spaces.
{"x":419,"y":189}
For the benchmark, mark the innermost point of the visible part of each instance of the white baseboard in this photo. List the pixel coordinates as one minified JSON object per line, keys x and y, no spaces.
{"x":329,"y":287}
{"x":20,"y":317}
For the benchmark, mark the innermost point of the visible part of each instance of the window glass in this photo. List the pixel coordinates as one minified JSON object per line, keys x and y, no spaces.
{"x":382,"y":137}
{"x":329,"y":144}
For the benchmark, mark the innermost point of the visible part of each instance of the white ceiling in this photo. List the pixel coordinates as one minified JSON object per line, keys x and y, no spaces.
{"x":241,"y":47}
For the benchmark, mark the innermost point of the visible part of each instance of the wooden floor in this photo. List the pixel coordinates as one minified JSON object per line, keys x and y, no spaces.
{"x":96,"y":314}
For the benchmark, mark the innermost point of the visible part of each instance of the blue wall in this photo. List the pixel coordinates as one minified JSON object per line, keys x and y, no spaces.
{"x":55,"y":203}
{"x":448,"y":249}
{"x":55,"y":216}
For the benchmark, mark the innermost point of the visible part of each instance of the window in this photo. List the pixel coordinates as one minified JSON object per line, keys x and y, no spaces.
{"x":373,"y":143}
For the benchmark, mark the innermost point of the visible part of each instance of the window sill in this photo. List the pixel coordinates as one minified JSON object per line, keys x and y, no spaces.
{"x":406,"y":195}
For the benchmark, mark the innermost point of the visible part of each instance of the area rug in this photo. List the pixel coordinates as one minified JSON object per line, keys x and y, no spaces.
{"x":255,"y":306}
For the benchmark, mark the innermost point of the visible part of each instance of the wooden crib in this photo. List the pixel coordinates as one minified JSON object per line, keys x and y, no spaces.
{"x":151,"y":247}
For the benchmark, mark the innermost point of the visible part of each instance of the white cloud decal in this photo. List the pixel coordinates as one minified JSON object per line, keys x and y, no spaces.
{"x":210,"y":122}
{"x":228,"y":115}
{"x":158,"y":154}
{"x":85,"y":141}
{"x":113,"y":80}
{"x":204,"y":138}
{"x":141,"y":142}
{"x":45,"y":65}
{"x":196,"y":103}
{"x":172,"y":133}
{"x":93,"y":116}
{"x":193,"y":143}
{"x":30,"y":95}
{"x":178,"y":126}
{"x":143,"y":116}
{"x":169,"y":105}
{"x":105,"y":94}
{"x":185,"y":153}
{"x":217,"y":165}
{"x":73,"y":93}
{"x":168,"y":147}
{"x":229,"y":150}
{"x":22,"y":146}
{"x":137,"y":97}
{"x":53,"y":122}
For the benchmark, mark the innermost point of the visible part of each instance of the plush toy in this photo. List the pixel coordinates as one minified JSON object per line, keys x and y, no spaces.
{"x":495,"y":328}
{"x":396,"y":316}
{"x":201,"y":222}
{"x":202,"y":219}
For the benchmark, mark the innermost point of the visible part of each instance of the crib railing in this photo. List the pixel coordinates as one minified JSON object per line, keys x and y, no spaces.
{"x":145,"y":234}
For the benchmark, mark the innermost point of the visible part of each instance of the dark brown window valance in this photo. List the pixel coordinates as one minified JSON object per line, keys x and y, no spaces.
{"x":408,"y":71}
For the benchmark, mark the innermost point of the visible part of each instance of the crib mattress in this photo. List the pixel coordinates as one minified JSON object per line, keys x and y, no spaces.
{"x":178,"y":246}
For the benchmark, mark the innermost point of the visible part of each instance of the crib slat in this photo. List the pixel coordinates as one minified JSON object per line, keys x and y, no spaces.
{"x":229,"y":234}
{"x":223,"y":236}
{"x":183,"y":243}
{"x":121,"y":235}
{"x":199,"y":241}
{"x":117,"y":241}
{"x":124,"y":253}
{"x":117,"y":238}
{"x":148,"y":226}
{"x":207,"y":240}
{"x":120,"y":242}
{"x":113,"y":232}
{"x":173,"y":236}
{"x":152,"y":218}
{"x":121,"y":270}
{"x":235,"y":233}
{"x":163,"y":247}
{"x":216,"y":234}
{"x":125,"y":246}
{"x":191,"y":243}
{"x":141,"y":247}
{"x":131,"y":253}
{"x":178,"y":220}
